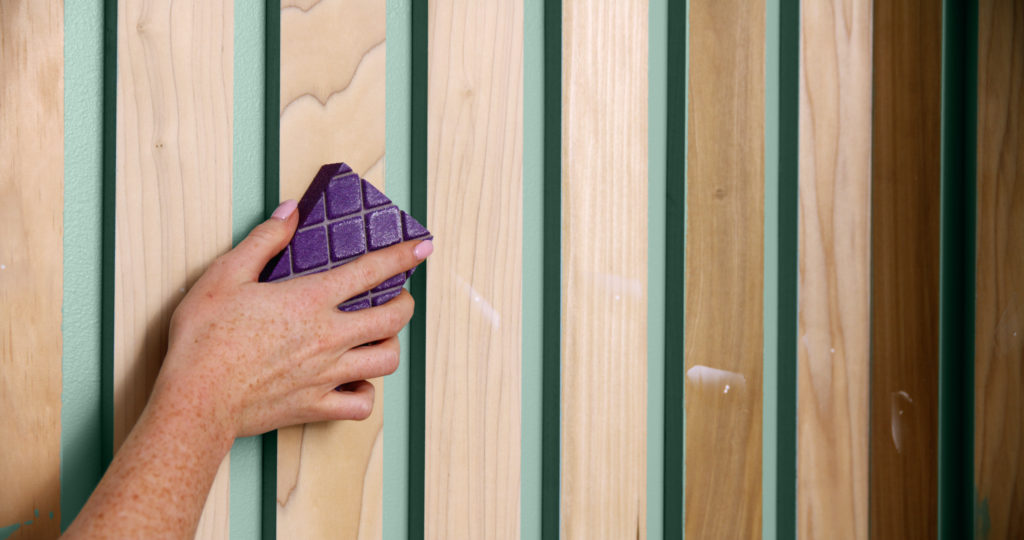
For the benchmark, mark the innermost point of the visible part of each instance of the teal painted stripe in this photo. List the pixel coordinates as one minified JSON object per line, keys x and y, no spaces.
{"x":779,"y":449}
{"x":271,"y":196}
{"x":81,"y":404}
{"x":247,"y":207}
{"x":248,"y":188}
{"x":418,"y":283}
{"x":957,"y":268}
{"x":109,"y":227}
{"x":552,"y":271}
{"x":657,"y":248}
{"x":397,"y":156}
{"x":674,"y":242}
{"x":531,"y":479}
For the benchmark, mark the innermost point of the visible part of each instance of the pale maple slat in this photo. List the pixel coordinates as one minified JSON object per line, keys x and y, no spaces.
{"x":173,"y":189}
{"x":604,"y":269}
{"x":473,"y":322}
{"x":330,"y":474}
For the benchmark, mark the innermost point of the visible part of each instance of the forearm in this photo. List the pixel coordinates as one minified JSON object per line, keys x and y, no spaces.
{"x":158,"y":482}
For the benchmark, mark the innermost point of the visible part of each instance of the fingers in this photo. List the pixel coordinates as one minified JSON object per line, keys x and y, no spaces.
{"x":368,"y":271}
{"x":366,"y":362}
{"x":355,"y":402}
{"x":265,"y":241}
{"x":376,"y":323}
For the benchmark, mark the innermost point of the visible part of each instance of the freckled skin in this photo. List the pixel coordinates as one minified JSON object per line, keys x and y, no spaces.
{"x":245,"y":358}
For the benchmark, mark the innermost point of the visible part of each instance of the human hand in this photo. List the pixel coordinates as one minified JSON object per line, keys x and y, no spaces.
{"x":259,"y":356}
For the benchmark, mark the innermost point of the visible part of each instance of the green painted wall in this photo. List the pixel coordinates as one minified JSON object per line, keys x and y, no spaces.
{"x":81,"y":461}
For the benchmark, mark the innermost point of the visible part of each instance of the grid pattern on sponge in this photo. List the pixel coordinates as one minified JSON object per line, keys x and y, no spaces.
{"x":341,"y":218}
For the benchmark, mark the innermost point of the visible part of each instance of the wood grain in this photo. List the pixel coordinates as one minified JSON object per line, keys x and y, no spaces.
{"x":724,"y":269}
{"x":999,"y":335}
{"x":604,"y":269}
{"x":31,"y":264}
{"x":834,"y":269}
{"x":173,"y":201}
{"x":330,"y":475}
{"x":473,"y":323}
{"x":905,"y":269}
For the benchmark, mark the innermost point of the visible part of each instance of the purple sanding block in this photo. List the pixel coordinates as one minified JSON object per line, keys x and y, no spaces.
{"x":341,"y":218}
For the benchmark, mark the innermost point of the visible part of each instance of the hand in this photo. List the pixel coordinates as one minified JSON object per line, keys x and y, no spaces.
{"x":268,"y":355}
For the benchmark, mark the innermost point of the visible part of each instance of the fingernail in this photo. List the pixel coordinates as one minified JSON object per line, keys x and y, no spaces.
{"x":284,"y":211}
{"x":423,"y":249}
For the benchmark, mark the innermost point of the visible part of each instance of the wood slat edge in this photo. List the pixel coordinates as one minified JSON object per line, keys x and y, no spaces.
{"x":31,"y":264}
{"x":724,"y":269}
{"x":906,"y":182}
{"x":473,"y":323}
{"x":173,"y":200}
{"x":604,"y":268}
{"x":330,"y":475}
{"x":834,"y":269}
{"x":999,"y":345}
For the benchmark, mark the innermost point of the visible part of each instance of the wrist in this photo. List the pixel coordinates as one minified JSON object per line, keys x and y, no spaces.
{"x":189,"y":409}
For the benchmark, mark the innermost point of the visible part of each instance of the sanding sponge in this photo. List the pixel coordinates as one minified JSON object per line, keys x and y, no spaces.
{"x":341,"y":218}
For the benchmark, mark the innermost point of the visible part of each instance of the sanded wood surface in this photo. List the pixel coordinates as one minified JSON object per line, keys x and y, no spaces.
{"x":329,"y":474}
{"x":724,"y":268}
{"x":604,"y":269}
{"x":905,"y":269}
{"x":999,"y":337}
{"x":834,"y":269}
{"x":173,"y":202}
{"x":31,"y":264}
{"x":473,"y":328}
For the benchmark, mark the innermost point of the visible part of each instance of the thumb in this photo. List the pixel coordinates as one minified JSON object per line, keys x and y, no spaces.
{"x":266,"y":240}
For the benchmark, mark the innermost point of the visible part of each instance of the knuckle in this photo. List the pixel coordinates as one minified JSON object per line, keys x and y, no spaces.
{"x":365,"y":276}
{"x":363,"y":407}
{"x":392,"y":319}
{"x":262,"y":234}
{"x":220,"y":263}
{"x":408,"y":305}
{"x":389,"y":361}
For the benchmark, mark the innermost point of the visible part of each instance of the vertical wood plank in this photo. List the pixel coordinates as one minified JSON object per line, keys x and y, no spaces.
{"x":473,"y":324}
{"x":173,"y":200}
{"x":31,"y":264}
{"x":330,"y":475}
{"x":604,"y":269}
{"x":724,"y":269}
{"x":905,"y":269}
{"x":999,"y":352}
{"x":834,"y":269}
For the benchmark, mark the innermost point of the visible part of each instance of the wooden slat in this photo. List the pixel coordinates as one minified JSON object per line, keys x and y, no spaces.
{"x":834,"y":269}
{"x":905,"y":269}
{"x":999,"y":337}
{"x":174,"y":138}
{"x":330,"y":475}
{"x":31,"y":264}
{"x":724,"y":269}
{"x":474,"y":209}
{"x":604,"y":269}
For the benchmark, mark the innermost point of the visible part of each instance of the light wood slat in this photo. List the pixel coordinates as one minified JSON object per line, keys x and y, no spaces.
{"x":834,"y":269}
{"x":999,"y":336}
{"x":473,"y":323}
{"x":724,"y":268}
{"x":604,"y":269}
{"x":905,"y":269}
{"x":173,"y":202}
{"x":330,"y":475}
{"x":31,"y":264}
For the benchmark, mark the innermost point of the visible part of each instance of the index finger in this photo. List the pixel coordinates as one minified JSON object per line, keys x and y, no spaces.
{"x":370,"y":270}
